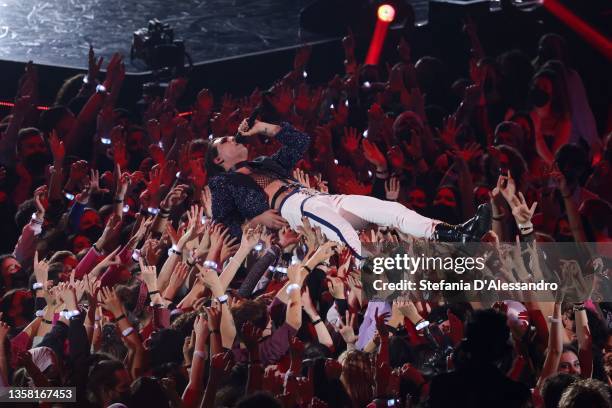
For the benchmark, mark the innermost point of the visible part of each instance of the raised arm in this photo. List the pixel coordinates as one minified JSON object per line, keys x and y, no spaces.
{"x":585,"y":341}
{"x":294,"y":143}
{"x":193,"y":391}
{"x":555,"y":347}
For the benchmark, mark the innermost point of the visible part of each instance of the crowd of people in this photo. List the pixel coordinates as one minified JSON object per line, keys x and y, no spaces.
{"x":124,"y":276}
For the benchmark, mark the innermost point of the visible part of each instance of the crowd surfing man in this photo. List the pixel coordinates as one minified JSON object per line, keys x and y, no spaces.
{"x":115,"y":282}
{"x":261,"y":189}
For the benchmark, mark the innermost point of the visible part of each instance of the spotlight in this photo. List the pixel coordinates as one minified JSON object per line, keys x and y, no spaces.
{"x":386,"y":13}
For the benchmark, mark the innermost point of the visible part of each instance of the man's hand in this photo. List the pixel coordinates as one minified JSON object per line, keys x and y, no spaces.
{"x":41,"y":269}
{"x":251,"y":335}
{"x":68,"y":295}
{"x":374,"y":155}
{"x":39,"y":198}
{"x":57,"y":149}
{"x":392,"y":189}
{"x":381,"y":325}
{"x":270,"y":219}
{"x":177,"y":279}
{"x":111,"y":302}
{"x":521,"y":211}
{"x":210,"y":279}
{"x":336,"y":287}
{"x":149,"y":275}
{"x":347,"y":330}
{"x":78,"y":171}
{"x":213,"y":314}
{"x":174,"y":197}
{"x":251,"y":237}
{"x":324,"y":252}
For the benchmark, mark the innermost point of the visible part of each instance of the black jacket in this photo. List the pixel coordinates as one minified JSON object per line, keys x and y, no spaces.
{"x":236,"y":197}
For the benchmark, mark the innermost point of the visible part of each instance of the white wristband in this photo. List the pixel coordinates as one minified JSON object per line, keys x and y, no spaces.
{"x":223,"y":298}
{"x":35,"y":219}
{"x":200,"y":354}
{"x":40,"y":313}
{"x":292,"y":287}
{"x":211,"y":264}
{"x":69,"y":314}
{"x":422,"y":325}
{"x":127,"y":331}
{"x":37,"y":286}
{"x":553,"y":320}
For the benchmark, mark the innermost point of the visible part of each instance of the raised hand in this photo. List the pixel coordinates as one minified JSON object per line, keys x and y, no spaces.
{"x":213,"y":314}
{"x":177,"y":279}
{"x":251,"y":335}
{"x":507,"y":187}
{"x":57,"y":149}
{"x":351,"y":140}
{"x":41,"y":269}
{"x":374,"y":155}
{"x":111,"y":302}
{"x":336,"y":287}
{"x":210,"y":279}
{"x":228,"y":248}
{"x":521,"y":211}
{"x":94,"y":183}
{"x":39,"y":199}
{"x":220,"y":364}
{"x":270,"y":219}
{"x":67,"y":294}
{"x":392,"y":188}
{"x":251,"y":237}
{"x":112,"y":259}
{"x":347,"y":330}
{"x":149,"y":275}
{"x":206,"y":199}
{"x":325,"y":251}
{"x":78,"y":171}
{"x":174,"y":197}
{"x":381,"y":324}
{"x":302,"y":177}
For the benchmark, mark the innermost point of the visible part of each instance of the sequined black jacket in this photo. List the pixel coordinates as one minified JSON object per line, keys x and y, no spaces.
{"x":236,"y":197}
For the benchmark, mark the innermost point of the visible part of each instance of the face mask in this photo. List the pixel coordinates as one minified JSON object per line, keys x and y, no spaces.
{"x":538,"y":97}
{"x":36,"y":162}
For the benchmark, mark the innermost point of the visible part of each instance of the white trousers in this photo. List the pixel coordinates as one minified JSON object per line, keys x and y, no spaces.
{"x":340,"y":216}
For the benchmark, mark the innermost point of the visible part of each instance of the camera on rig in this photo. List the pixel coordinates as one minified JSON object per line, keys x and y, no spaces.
{"x":156,"y":46}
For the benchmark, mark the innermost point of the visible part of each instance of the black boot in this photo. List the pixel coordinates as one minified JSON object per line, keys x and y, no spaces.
{"x":471,"y":230}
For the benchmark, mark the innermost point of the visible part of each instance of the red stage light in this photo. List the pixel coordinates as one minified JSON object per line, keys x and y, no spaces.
{"x":386,"y":13}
